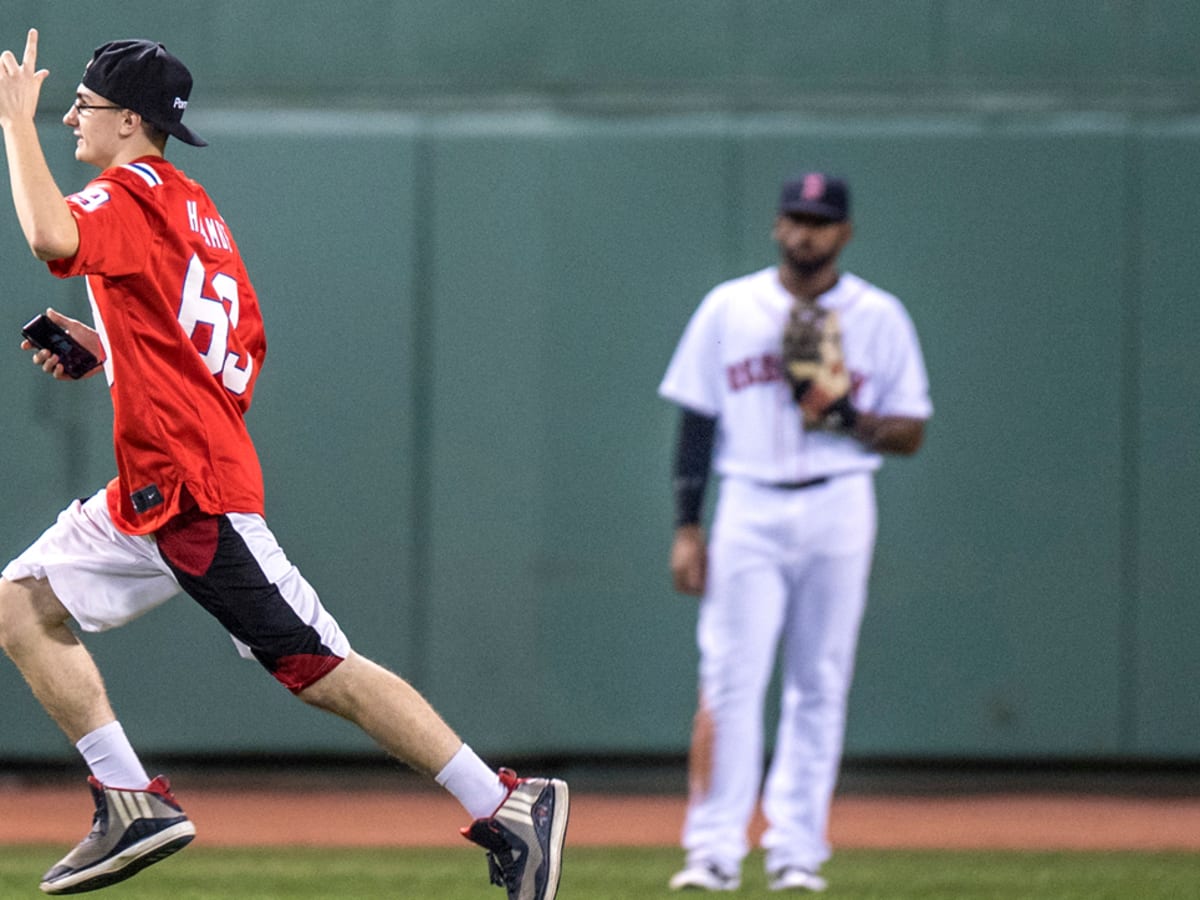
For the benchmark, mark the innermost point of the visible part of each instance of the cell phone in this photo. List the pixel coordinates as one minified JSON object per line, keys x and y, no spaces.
{"x":45,"y":334}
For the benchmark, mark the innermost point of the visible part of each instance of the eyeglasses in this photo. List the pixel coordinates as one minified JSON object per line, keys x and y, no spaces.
{"x":80,"y":107}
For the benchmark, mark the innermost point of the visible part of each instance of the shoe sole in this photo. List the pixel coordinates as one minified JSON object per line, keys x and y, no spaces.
{"x":695,"y":879}
{"x":558,"y":836}
{"x":125,"y":864}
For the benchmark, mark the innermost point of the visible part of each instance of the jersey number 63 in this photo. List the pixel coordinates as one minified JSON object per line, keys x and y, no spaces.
{"x":196,"y":310}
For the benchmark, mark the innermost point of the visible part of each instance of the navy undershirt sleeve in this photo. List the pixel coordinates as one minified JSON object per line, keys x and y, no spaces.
{"x":693,"y":458}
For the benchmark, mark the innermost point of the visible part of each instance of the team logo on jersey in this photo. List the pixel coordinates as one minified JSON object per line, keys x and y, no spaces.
{"x":768,"y":369}
{"x":763,"y":369}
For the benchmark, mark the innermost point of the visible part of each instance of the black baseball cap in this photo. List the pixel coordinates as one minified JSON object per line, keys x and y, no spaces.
{"x":144,"y":77}
{"x":817,"y":194}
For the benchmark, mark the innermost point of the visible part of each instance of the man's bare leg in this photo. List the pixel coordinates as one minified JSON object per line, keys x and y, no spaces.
{"x":64,"y":678}
{"x":523,"y":826}
{"x":60,"y":671}
{"x":388,"y":709}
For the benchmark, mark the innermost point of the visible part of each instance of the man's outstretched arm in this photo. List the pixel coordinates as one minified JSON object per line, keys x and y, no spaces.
{"x":42,"y":210}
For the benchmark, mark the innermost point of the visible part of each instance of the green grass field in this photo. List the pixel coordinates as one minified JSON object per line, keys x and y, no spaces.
{"x":201,"y":873}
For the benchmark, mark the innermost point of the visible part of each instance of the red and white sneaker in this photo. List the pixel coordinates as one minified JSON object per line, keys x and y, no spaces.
{"x":130,"y":830}
{"x":524,"y":837}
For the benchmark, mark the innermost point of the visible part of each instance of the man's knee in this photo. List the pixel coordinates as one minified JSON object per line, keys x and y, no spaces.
{"x":326,"y":689}
{"x":27,"y":605}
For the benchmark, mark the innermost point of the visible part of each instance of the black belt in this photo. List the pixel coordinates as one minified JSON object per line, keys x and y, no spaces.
{"x":798,"y":485}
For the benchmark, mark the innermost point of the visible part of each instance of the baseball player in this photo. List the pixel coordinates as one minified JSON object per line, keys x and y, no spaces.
{"x":796,"y":428}
{"x":179,"y":338}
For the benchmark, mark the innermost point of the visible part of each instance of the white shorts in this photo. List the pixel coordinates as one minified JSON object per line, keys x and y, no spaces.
{"x":105,"y":578}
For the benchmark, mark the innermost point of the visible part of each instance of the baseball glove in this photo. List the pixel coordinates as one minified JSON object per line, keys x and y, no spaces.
{"x":814,"y":365}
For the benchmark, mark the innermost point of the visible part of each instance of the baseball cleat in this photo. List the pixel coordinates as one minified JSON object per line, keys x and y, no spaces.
{"x":524,"y":837}
{"x":703,"y":876}
{"x":793,"y":878}
{"x":130,"y":830}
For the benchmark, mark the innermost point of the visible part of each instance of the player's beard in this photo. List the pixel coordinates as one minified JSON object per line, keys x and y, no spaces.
{"x":807,"y":266}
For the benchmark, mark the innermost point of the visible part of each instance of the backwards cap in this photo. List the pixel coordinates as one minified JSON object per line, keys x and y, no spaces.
{"x":144,"y":77}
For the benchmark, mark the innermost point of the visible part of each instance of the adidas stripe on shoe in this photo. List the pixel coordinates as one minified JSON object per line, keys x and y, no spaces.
{"x":130,"y":831}
{"x":525,"y":836}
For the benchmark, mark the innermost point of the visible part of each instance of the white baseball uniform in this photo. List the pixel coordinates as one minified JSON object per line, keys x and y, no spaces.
{"x":789,"y":560}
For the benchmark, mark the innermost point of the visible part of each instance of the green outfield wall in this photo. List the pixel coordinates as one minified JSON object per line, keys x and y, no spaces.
{"x":477,"y":231}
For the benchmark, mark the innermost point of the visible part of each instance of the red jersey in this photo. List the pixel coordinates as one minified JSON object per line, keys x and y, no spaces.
{"x":180,"y":323}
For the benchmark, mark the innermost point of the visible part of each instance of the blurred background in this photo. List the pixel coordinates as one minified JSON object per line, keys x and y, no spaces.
{"x":477,"y":231}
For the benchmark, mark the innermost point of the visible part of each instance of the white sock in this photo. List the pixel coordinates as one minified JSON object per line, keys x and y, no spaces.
{"x":112,"y":759}
{"x":472,"y":783}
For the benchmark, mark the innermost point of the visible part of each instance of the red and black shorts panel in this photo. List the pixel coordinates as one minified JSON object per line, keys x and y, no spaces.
{"x":231,"y":565}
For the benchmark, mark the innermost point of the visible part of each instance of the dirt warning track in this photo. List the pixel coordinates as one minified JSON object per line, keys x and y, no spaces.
{"x":416,"y":818}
